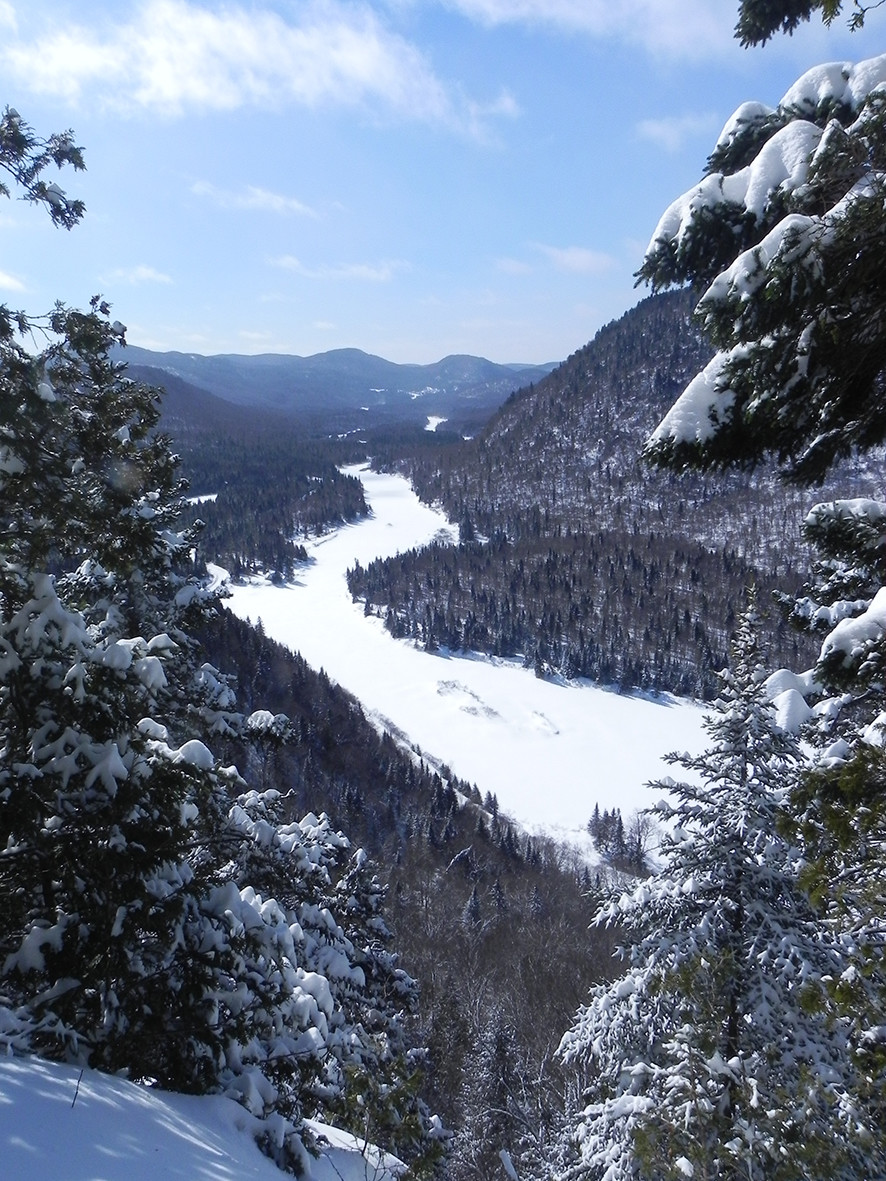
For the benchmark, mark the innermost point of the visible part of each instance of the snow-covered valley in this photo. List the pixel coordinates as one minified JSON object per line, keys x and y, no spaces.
{"x":548,"y":750}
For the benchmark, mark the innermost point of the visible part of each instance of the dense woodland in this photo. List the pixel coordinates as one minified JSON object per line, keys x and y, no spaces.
{"x":262,"y":479}
{"x":277,"y":494}
{"x":636,"y":611}
{"x":206,"y":927}
{"x":591,"y":563}
{"x":461,"y":880}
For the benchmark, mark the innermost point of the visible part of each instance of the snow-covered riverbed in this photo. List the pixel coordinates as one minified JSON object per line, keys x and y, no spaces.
{"x":548,"y":751}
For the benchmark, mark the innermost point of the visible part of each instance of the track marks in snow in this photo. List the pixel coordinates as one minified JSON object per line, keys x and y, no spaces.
{"x":466,"y":699}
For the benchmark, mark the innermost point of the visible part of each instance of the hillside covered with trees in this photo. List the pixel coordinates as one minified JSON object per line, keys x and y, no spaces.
{"x":260,"y":479}
{"x":746,"y":1036}
{"x":205,"y":925}
{"x":578,"y":556}
{"x":181,"y":906}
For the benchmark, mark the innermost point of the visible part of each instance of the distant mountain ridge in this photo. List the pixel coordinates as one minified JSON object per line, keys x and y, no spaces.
{"x":345,"y":380}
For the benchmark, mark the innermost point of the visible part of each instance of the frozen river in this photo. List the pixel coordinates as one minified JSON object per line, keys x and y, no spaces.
{"x":549,"y":751}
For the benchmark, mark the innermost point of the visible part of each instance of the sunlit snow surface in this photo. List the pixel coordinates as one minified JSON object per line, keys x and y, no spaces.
{"x":56,"y":1127}
{"x":548,"y":750}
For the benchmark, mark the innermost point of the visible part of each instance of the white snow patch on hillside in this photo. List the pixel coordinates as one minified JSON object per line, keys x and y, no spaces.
{"x":549,"y":751}
{"x":108,"y":1129}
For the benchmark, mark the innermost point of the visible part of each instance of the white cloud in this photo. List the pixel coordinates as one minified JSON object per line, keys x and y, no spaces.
{"x":10,"y":283}
{"x":380,"y":273}
{"x":478,"y":115}
{"x":578,"y":259}
{"x":136,"y":275}
{"x":252,"y":197}
{"x":671,"y":133}
{"x":674,"y":30}
{"x":512,"y":266}
{"x":505,"y":105}
{"x":689,"y":29}
{"x":173,"y":56}
{"x":8,"y":18}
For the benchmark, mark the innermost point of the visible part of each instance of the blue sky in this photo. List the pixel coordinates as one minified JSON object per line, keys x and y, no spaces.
{"x":409,"y":177}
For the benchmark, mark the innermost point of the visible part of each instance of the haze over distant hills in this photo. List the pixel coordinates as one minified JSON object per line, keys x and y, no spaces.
{"x":345,"y":380}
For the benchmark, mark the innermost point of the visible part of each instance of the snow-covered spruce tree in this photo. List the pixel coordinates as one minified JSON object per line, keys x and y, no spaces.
{"x":719,"y":1052}
{"x":785,"y":237}
{"x":758,"y":20}
{"x":99,"y":813}
{"x":130,"y":938}
{"x":368,"y":1077}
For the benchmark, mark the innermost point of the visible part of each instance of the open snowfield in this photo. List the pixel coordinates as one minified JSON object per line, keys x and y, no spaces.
{"x":107,"y":1129}
{"x":548,"y":750}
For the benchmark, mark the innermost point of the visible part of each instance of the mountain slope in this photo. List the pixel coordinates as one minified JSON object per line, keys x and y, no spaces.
{"x":262,"y":480}
{"x":345,"y":380}
{"x":461,"y":880}
{"x":597,"y":564}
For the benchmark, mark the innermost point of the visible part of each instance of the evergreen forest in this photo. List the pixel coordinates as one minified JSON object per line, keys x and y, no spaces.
{"x":577,"y":557}
{"x":220,"y":876}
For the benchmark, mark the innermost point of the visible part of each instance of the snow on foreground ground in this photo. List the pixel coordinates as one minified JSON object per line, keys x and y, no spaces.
{"x":117,"y":1131}
{"x":549,"y":751}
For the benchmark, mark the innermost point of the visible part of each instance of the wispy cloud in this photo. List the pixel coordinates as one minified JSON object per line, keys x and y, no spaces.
{"x":671,"y":133}
{"x":577,"y":259}
{"x":255,"y":337}
{"x":10,"y":283}
{"x":381,"y":272}
{"x":252,"y":197}
{"x":174,"y":56}
{"x":479,"y":116}
{"x":512,"y":266}
{"x":136,"y":275}
{"x":684,"y":29}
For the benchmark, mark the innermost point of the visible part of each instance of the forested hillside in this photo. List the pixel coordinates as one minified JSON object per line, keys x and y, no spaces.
{"x":261,"y":478}
{"x":345,"y":387}
{"x":220,"y":877}
{"x":577,"y":555}
{"x":181,"y":903}
{"x":461,"y":880}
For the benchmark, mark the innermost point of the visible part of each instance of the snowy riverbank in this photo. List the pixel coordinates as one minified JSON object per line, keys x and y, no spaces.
{"x":549,"y":751}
